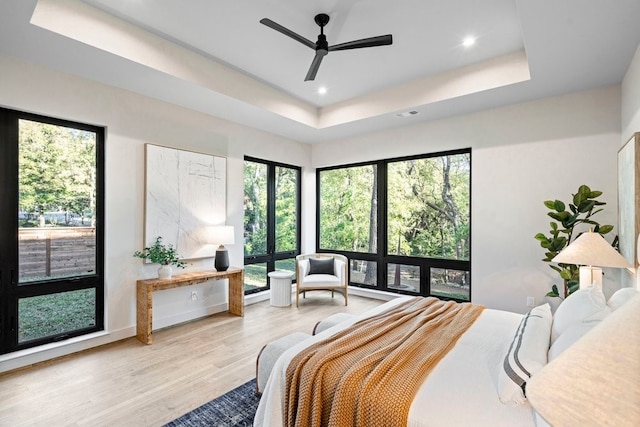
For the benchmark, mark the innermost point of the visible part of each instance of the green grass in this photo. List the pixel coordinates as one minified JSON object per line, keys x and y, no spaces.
{"x":255,"y":275}
{"x":463,"y":297}
{"x":54,"y":314}
{"x":286,"y":264}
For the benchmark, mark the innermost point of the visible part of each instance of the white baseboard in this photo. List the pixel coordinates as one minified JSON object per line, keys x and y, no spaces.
{"x":30,"y":356}
{"x":353,"y":290}
{"x":257,"y":297}
{"x":372,"y":293}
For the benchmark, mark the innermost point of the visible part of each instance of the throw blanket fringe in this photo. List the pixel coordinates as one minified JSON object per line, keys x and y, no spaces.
{"x":368,"y":374}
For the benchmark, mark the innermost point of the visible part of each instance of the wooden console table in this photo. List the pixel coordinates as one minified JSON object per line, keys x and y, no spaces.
{"x":145,"y":289}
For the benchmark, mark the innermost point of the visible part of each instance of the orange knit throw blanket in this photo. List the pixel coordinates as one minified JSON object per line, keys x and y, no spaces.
{"x":368,"y":374}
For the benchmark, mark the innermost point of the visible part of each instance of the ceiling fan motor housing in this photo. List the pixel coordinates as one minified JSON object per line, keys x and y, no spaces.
{"x":322,"y":45}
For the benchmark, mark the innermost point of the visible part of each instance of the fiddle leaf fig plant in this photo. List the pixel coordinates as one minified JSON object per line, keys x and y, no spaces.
{"x":565,"y":229}
{"x":160,"y":253}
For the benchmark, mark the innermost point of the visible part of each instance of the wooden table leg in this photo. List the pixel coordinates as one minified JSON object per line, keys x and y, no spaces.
{"x":144,"y":314}
{"x":236,"y":294}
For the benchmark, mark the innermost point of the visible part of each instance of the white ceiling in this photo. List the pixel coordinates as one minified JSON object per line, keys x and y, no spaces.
{"x":229,"y":31}
{"x":215,"y":56}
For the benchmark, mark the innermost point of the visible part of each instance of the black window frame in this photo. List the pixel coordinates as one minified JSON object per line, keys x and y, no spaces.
{"x":271,"y":257}
{"x":382,"y":257}
{"x":10,"y":289}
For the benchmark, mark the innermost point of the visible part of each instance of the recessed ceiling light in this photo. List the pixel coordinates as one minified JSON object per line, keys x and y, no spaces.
{"x":468,"y":41}
{"x":322,"y":90}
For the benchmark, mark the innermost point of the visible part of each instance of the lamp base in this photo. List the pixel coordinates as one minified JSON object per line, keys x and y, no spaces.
{"x":590,"y":276}
{"x":221,"y":262}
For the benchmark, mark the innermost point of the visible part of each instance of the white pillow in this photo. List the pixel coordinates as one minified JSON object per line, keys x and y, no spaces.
{"x":585,"y":305}
{"x":621,"y":296}
{"x":527,"y":354}
{"x":568,"y":337}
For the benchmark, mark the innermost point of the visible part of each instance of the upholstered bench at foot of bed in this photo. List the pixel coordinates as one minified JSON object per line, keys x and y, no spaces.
{"x":330,"y":321}
{"x":270,"y":353}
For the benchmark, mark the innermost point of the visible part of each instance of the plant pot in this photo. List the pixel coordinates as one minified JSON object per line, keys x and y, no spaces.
{"x":164,"y":272}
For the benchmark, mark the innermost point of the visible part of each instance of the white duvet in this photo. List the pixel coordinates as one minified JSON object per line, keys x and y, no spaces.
{"x":460,"y":391}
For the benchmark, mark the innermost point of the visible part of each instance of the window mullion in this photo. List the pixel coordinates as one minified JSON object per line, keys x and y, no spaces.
{"x":271,"y":211}
{"x":382,"y":225}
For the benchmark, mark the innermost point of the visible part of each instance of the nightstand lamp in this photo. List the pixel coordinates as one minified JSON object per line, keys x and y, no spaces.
{"x":222,"y":235}
{"x":591,"y":251}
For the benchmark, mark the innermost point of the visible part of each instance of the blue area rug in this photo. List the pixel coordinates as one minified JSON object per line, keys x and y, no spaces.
{"x":235,"y":408}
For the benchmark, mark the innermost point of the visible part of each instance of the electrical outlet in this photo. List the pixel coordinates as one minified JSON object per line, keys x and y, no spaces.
{"x":194,"y":296}
{"x":531,"y":301}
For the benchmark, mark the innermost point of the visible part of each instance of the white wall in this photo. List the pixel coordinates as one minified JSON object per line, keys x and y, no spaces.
{"x":521,"y":155}
{"x":631,"y":99}
{"x":131,"y":121}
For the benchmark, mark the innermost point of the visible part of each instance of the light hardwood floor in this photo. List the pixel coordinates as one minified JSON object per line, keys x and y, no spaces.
{"x":127,"y":383}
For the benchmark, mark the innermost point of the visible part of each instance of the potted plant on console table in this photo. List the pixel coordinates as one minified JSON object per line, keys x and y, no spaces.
{"x":162,"y":254}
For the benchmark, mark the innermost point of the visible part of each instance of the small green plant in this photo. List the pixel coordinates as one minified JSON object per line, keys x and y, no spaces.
{"x":585,"y":205}
{"x":161,"y":254}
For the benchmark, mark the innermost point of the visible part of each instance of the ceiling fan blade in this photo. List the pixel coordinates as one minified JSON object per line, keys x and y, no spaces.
{"x":287,"y":32}
{"x":369,"y":42}
{"x":315,"y":65}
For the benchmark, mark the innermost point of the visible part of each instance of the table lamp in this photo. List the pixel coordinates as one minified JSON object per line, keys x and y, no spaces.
{"x":222,"y":235}
{"x":591,"y":251}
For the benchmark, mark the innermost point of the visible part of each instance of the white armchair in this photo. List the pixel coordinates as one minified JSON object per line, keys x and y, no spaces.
{"x":321,"y":271}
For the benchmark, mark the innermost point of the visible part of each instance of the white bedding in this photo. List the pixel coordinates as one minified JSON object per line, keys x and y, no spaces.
{"x":460,"y":391}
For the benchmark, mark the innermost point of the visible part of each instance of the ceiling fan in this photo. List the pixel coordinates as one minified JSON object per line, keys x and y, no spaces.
{"x":321,"y":47}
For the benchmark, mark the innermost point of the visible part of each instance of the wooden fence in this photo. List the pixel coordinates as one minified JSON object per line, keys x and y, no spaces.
{"x":56,"y":252}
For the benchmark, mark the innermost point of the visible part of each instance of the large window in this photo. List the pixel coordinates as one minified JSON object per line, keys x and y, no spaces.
{"x":51,"y":229}
{"x":271,"y":220}
{"x":349,"y":209}
{"x":403,"y":223}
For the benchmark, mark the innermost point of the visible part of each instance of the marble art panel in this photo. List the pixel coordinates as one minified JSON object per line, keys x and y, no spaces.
{"x":628,"y":203}
{"x":185,"y":194}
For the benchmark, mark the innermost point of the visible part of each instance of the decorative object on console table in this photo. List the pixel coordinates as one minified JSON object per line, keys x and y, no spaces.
{"x":222,"y":235}
{"x":162,"y":254}
{"x":589,"y":250}
{"x":585,"y":205}
{"x":629,"y":203}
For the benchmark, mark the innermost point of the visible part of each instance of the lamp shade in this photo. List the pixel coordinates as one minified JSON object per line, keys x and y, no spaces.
{"x":595,"y":381}
{"x":222,"y":235}
{"x":591,"y":249}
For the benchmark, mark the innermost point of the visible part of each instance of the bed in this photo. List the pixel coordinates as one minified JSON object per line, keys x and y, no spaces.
{"x":472,"y":384}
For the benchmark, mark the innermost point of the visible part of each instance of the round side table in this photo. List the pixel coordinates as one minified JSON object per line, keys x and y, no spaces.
{"x":280,"y":283}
